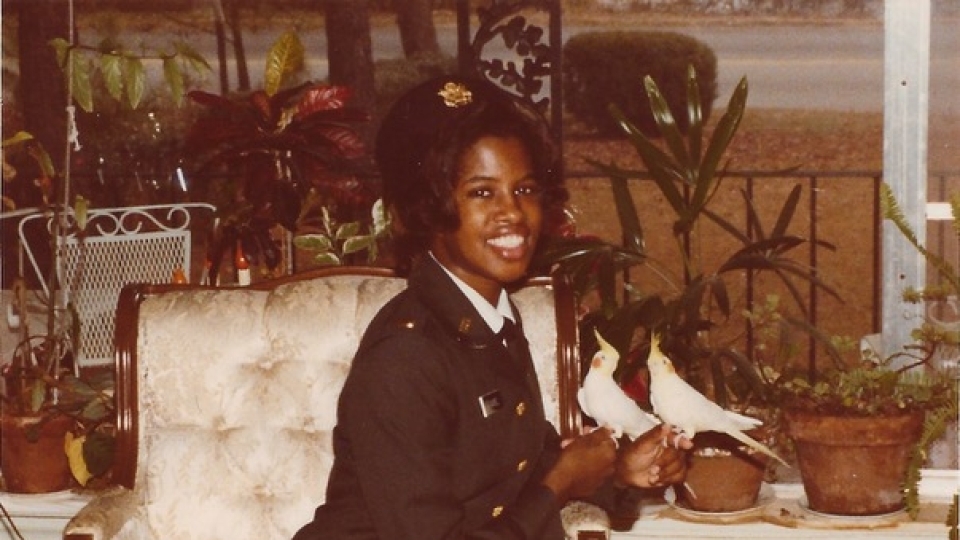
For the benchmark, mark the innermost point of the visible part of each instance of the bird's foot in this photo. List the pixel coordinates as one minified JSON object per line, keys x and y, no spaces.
{"x":615,"y":434}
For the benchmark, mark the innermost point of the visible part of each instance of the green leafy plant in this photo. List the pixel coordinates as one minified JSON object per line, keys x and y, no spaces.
{"x":862,"y":384}
{"x":41,"y":379}
{"x":691,"y":307}
{"x":333,"y":243}
{"x":939,"y":389}
{"x":122,"y":71}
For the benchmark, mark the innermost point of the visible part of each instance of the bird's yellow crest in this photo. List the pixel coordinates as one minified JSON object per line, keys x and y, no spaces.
{"x":657,"y":360}
{"x":655,"y":342}
{"x":607,"y":352}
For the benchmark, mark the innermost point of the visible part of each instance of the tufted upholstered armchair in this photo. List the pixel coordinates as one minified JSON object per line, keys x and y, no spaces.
{"x":227,"y":399}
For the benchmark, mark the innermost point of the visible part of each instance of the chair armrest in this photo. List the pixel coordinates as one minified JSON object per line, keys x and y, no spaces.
{"x":585,"y":521}
{"x":104,"y":516}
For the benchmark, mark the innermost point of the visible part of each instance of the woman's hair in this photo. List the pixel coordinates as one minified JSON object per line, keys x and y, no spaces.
{"x":422,"y":140}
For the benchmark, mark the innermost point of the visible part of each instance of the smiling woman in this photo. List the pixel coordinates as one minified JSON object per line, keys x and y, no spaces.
{"x":441,"y":432}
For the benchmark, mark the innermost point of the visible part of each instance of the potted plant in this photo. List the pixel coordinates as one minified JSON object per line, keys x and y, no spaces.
{"x":57,"y":419}
{"x":693,"y":310}
{"x":276,"y":148}
{"x":48,"y":406}
{"x":56,"y":422}
{"x":896,"y":410}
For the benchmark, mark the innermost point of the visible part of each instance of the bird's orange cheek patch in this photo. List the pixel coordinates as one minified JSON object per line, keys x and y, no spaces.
{"x":596,"y":362}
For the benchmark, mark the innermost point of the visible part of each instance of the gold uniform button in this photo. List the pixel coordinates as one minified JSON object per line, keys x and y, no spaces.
{"x":521,"y":408}
{"x":522,"y":465}
{"x":497,"y":510}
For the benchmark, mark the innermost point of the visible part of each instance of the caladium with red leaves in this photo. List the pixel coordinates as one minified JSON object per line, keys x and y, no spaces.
{"x":275,"y":150}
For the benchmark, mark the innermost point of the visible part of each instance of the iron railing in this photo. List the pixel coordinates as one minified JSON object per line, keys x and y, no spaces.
{"x":941,"y":237}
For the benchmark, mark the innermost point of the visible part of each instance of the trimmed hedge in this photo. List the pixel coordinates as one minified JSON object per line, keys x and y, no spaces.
{"x":601,"y":68}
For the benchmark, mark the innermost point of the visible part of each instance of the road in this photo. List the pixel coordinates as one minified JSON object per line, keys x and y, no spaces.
{"x":832,"y":67}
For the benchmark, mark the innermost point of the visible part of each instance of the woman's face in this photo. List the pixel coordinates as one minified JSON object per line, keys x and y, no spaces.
{"x":499,"y":204}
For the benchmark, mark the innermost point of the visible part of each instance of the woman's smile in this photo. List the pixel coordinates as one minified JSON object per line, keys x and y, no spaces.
{"x":499,"y":207}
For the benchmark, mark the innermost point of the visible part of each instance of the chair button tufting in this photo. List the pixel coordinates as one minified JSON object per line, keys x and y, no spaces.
{"x":522,"y":465}
{"x":497,"y":510}
{"x":521,"y":408}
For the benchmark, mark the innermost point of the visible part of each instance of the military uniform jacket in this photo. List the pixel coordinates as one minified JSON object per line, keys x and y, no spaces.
{"x":440,"y":434}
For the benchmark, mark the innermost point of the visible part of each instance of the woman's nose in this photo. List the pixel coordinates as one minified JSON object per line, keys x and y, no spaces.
{"x":509,"y":204}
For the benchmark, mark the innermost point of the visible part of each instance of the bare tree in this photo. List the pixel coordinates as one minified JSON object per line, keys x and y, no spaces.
{"x":417,"y":32}
{"x":239,"y":53}
{"x":350,"y":50}
{"x":42,"y":93}
{"x":220,"y":27}
{"x":230,"y":18}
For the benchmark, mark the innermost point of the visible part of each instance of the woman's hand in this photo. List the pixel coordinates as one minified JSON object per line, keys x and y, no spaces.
{"x":585,"y":463}
{"x":657,"y":458}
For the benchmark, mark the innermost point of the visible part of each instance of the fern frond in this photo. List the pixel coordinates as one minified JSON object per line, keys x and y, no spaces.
{"x":891,"y":211}
{"x":934,"y":426}
{"x":955,"y":211}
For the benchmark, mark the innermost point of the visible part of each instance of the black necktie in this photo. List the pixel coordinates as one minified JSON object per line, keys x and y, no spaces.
{"x":516,"y":343}
{"x":519,"y":349}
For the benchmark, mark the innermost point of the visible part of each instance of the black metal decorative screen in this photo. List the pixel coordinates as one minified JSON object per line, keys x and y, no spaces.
{"x":524,"y":56}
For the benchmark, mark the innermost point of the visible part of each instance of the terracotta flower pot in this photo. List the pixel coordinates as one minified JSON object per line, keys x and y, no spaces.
{"x":722,"y":478}
{"x":34,"y":466}
{"x":853,"y":466}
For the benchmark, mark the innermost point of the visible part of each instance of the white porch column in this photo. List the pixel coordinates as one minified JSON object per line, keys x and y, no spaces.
{"x":906,"y":100}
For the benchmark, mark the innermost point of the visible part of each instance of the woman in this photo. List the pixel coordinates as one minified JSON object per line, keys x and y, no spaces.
{"x":440,"y":431}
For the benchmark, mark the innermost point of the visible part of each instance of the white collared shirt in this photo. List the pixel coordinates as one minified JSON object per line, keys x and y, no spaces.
{"x":492,"y":315}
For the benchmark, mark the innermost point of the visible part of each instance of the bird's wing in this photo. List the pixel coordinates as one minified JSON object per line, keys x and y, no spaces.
{"x":640,"y":423}
{"x":680,"y":404}
{"x":610,"y":406}
{"x":583,"y":401}
{"x":743,"y":422}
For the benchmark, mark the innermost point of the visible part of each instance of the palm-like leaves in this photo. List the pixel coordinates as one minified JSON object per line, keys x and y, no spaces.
{"x":688,"y":171}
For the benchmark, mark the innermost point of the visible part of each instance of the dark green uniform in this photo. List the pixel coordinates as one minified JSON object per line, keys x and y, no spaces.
{"x":439,"y":433}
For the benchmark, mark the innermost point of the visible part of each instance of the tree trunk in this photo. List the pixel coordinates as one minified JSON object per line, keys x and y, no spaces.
{"x":239,"y":53}
{"x":350,"y":51}
{"x":220,"y":27}
{"x":417,"y":33}
{"x":42,"y":93}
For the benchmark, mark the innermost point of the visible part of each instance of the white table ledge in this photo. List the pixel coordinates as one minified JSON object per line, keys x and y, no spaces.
{"x":659,"y":521}
{"x":39,"y":517}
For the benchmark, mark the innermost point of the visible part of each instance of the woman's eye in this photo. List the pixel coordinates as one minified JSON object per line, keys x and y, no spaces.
{"x":529,"y":190}
{"x":480,"y":193}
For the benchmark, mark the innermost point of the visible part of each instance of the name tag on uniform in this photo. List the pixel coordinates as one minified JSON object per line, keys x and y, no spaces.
{"x":490,"y":403}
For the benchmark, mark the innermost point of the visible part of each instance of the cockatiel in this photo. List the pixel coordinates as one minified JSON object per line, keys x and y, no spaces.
{"x":679,"y":404}
{"x":603,"y":400}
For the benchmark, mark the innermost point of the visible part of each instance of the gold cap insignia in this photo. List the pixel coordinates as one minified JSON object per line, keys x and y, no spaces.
{"x":455,"y":95}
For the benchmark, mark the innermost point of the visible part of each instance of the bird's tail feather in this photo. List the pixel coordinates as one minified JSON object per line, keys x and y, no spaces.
{"x":753,"y":443}
{"x":743,"y":421}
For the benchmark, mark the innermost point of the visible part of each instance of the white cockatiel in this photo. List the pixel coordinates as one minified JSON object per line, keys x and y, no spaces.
{"x":680,"y":405}
{"x":603,"y":400}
